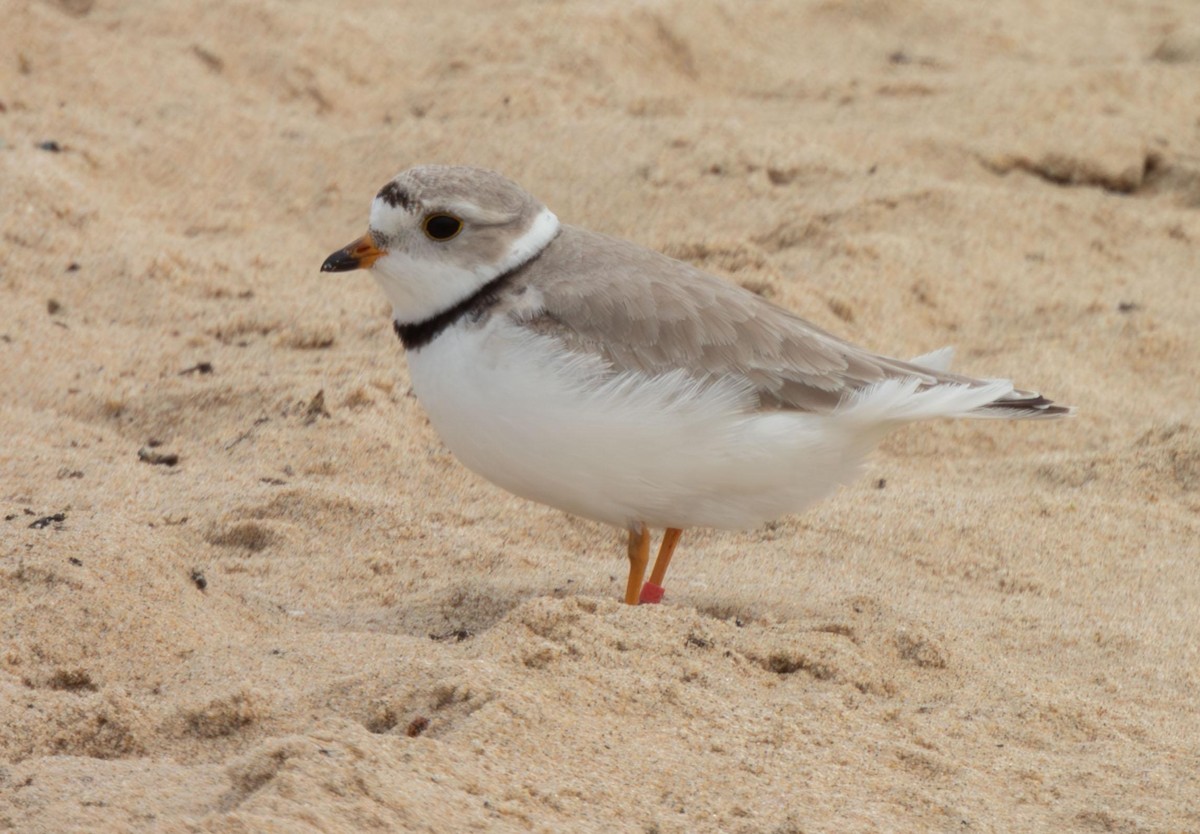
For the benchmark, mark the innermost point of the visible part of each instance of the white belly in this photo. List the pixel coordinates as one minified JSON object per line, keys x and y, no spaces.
{"x":621,"y":449}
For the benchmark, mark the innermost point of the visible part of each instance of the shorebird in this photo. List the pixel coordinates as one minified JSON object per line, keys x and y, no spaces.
{"x":618,"y":384}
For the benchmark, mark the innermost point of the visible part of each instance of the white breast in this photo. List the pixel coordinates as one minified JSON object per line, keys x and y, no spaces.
{"x":666,"y":451}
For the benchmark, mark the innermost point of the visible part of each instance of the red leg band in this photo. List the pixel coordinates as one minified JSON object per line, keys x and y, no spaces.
{"x":651,"y":594}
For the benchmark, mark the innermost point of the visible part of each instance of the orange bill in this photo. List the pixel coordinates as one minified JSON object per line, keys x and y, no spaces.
{"x":358,"y":255}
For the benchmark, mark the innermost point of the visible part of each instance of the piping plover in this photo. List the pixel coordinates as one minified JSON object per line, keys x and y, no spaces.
{"x":615,"y":383}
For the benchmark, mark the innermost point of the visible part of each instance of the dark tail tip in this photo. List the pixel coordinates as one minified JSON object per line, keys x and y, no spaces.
{"x":1030,"y":407}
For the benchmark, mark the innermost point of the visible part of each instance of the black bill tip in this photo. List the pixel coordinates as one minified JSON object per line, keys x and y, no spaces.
{"x":360,"y":254}
{"x":343,"y":260}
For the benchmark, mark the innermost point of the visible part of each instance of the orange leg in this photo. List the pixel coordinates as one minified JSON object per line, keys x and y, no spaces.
{"x":639,"y":555}
{"x":653,"y":592}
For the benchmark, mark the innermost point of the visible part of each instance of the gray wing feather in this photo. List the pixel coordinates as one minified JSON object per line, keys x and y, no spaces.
{"x":642,"y":311}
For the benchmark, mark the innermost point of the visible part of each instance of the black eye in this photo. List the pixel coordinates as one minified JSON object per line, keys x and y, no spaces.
{"x":442,"y":226}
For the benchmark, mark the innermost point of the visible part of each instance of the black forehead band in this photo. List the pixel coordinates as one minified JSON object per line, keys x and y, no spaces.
{"x":396,"y":197}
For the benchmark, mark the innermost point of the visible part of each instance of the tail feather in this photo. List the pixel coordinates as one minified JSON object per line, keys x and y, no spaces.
{"x":935,"y":360}
{"x":1024,"y":406}
{"x":906,"y":400}
{"x":909,"y":399}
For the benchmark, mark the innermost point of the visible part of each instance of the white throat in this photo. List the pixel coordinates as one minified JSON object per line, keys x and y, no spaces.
{"x":420,"y":289}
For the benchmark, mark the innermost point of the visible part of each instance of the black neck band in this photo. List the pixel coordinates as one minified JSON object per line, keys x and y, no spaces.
{"x":418,"y":334}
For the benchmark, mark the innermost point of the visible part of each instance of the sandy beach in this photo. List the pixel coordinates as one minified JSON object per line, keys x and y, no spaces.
{"x":245,"y":588}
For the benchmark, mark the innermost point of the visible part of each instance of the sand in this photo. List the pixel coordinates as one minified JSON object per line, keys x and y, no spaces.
{"x":244,"y":588}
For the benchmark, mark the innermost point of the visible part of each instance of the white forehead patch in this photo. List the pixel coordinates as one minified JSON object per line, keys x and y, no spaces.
{"x":386,"y":218}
